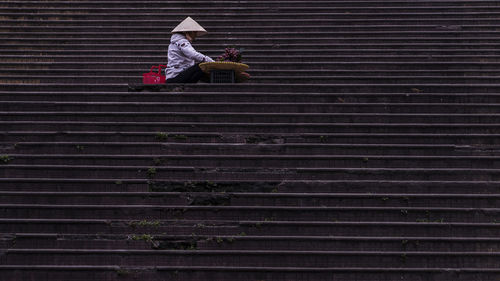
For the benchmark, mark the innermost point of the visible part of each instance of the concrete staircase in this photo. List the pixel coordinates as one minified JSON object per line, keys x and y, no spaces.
{"x":365,"y":147}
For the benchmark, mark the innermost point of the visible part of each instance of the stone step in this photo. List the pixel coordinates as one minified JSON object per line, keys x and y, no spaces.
{"x":246,"y":137}
{"x":329,"y":47}
{"x":330,"y":88}
{"x":253,"y":97}
{"x":264,"y":213}
{"x":275,"y":161}
{"x":200,"y":173}
{"x":216,"y":28}
{"x":405,"y":40}
{"x":362,"y":66}
{"x":125,"y":33}
{"x":336,"y":105}
{"x":244,"y":242}
{"x":152,"y":50}
{"x":322,"y":78}
{"x":255,"y":128}
{"x":262,"y":87}
{"x":448,"y":22}
{"x":324,"y":186}
{"x":247,"y":9}
{"x":229,"y":4}
{"x":237,"y":117}
{"x":259,"y":75}
{"x":256,"y":59}
{"x":237,"y":149}
{"x":251,"y":228}
{"x":198,"y":273}
{"x":202,"y":16}
{"x":253,"y":199}
{"x":250,"y":258}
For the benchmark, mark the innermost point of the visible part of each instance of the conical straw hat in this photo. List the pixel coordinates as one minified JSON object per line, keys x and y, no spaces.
{"x":190,"y":24}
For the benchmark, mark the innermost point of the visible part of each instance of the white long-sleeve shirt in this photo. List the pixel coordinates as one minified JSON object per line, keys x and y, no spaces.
{"x":182,"y":55}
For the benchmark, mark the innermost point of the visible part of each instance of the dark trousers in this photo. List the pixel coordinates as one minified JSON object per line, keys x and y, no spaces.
{"x":189,"y":75}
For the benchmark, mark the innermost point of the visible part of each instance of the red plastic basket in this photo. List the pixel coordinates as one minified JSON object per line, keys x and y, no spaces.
{"x":154,"y":77}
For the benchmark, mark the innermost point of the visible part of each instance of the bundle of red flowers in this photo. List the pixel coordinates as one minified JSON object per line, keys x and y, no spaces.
{"x":231,"y":54}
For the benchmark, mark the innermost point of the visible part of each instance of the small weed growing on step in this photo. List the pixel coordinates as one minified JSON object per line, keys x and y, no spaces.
{"x":219,"y":240}
{"x":145,"y":223}
{"x":192,"y":246}
{"x":404,"y":258}
{"x":242,"y":234}
{"x":151,"y":172}
{"x":365,"y":160}
{"x":322,"y":138}
{"x":274,"y":190}
{"x":158,"y":161}
{"x":122,"y":272}
{"x":385,"y":198}
{"x":144,"y":237}
{"x":230,"y":239}
{"x":5,"y":159}
{"x":404,"y":242}
{"x":211,"y":184}
{"x":80,"y":147}
{"x":118,"y":182}
{"x":161,"y":136}
{"x":180,"y":137}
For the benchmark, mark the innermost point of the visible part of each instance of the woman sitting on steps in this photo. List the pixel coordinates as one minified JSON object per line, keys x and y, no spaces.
{"x":183,"y":59}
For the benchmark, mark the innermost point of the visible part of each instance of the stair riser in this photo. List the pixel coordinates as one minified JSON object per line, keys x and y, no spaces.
{"x":248,"y":128}
{"x":389,"y":99}
{"x":218,"y":29}
{"x":249,"y":9}
{"x":156,"y":150}
{"x":235,"y":174}
{"x":401,"y":245}
{"x":280,"y":34}
{"x":298,"y":47}
{"x":228,"y":138}
{"x":236,"y":200}
{"x":214,"y":274}
{"x":456,"y":20}
{"x":243,"y":275}
{"x":236,"y":243}
{"x":302,"y":260}
{"x":332,"y":108}
{"x":421,"y":187}
{"x":234,"y":118}
{"x":408,"y":41}
{"x":359,"y":162}
{"x":255,"y":4}
{"x":422,"y":229}
{"x":261,"y":74}
{"x":260,"y":16}
{"x":250,"y":213}
{"x":374,"y":67}
{"x":255,"y":79}
{"x":256,"y":59}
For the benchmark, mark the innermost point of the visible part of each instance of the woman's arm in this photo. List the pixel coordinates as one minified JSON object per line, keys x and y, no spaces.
{"x":191,"y":53}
